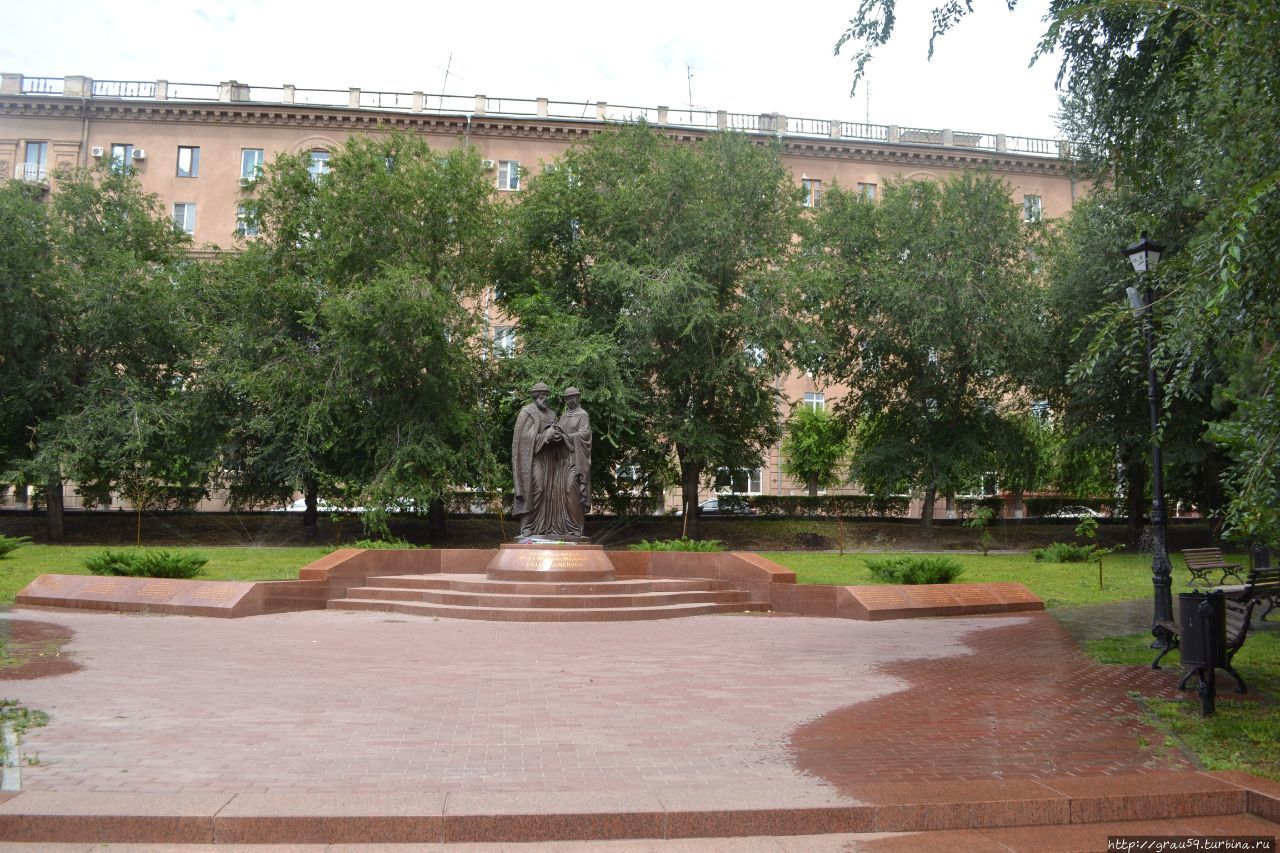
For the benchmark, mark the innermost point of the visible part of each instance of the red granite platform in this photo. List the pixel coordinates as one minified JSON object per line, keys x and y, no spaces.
{"x":444,"y":583}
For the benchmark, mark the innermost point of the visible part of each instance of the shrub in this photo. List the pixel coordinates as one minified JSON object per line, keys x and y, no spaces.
{"x":381,"y":544}
{"x":9,"y":544}
{"x":110,"y":562}
{"x":146,"y":564}
{"x":911,"y":569}
{"x":1063,"y":552}
{"x":699,"y":545}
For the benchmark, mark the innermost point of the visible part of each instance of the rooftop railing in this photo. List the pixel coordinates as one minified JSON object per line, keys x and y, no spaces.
{"x":483,"y":105}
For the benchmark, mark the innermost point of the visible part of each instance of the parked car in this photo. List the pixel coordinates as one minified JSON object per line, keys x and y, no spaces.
{"x":711,"y":506}
{"x":1076,"y":512}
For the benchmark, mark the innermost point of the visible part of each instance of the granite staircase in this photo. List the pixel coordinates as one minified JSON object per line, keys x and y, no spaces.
{"x":475,"y":596}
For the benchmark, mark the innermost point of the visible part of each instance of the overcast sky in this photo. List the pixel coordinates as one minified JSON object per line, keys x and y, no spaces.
{"x":745,"y":57}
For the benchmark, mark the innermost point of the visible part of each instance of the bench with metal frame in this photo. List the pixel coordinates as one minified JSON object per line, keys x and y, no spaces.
{"x":1238,"y":614}
{"x":1203,"y":561}
{"x":1262,"y":586}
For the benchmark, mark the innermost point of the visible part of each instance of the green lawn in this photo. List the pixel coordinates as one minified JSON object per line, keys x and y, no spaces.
{"x":1243,"y":734}
{"x":1124,"y":576}
{"x":225,"y":564}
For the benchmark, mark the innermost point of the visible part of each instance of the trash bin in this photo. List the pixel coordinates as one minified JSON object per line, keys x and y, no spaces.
{"x":1204,"y":631}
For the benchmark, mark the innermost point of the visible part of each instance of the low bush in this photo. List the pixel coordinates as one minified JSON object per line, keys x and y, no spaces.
{"x":382,"y":544}
{"x":914,"y":569}
{"x":699,"y":545}
{"x":1063,"y":552}
{"x":145,"y":564}
{"x":826,"y":506}
{"x":9,"y":544}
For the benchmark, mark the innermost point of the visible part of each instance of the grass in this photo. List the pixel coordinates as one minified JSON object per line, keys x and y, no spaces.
{"x":1243,"y":734}
{"x":1125,"y":576}
{"x":225,"y":564}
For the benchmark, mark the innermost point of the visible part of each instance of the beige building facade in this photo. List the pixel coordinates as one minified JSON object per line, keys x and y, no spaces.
{"x":192,"y":144}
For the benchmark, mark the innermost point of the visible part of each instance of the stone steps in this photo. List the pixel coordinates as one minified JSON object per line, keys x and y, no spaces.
{"x":546,"y":614}
{"x":1018,"y":815}
{"x":480,"y":583}
{"x":550,"y":596}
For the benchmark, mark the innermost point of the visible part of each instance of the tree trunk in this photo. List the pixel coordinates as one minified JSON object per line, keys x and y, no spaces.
{"x":436,"y":518}
{"x":690,"y":477}
{"x":53,"y":502}
{"x":310,"y":515}
{"x":1135,"y":500}
{"x":813,"y":485}
{"x":926,"y":511}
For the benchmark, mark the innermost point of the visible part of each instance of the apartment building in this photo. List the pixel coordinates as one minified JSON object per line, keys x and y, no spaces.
{"x":192,"y":144}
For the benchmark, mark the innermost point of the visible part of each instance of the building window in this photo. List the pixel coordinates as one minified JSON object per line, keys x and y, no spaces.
{"x":504,"y":341}
{"x":815,"y":400}
{"x":867,"y":191}
{"x":33,"y":166}
{"x":184,"y":216}
{"x":1031,"y":208}
{"x":250,"y":164}
{"x":812,"y":191}
{"x":740,"y":481}
{"x":246,"y":224}
{"x":509,"y":175}
{"x":319,"y":164}
{"x":188,"y":161}
{"x":121,"y":156}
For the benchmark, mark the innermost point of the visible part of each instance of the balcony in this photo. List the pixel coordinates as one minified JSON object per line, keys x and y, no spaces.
{"x":31,"y":173}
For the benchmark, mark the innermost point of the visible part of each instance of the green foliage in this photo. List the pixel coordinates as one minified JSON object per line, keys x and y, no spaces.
{"x":660,"y":267}
{"x":146,"y":564}
{"x":829,"y":506}
{"x":106,"y":301}
{"x":914,"y":569}
{"x":1175,"y":102}
{"x":981,"y":521}
{"x":9,"y":544}
{"x":1063,"y":552}
{"x":388,"y":544}
{"x":344,"y":341}
{"x":815,"y":448}
{"x":683,"y":544}
{"x":927,"y":309}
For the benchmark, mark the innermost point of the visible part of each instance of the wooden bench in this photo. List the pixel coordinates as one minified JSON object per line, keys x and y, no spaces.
{"x":1263,"y":586}
{"x":1238,"y":614}
{"x":1203,"y":561}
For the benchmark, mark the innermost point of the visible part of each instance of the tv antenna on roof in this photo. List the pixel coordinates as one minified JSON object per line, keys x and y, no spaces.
{"x":688,"y":75}
{"x":444,"y":85}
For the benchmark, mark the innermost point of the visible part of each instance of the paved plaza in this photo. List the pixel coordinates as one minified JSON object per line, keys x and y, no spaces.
{"x":368,"y":702}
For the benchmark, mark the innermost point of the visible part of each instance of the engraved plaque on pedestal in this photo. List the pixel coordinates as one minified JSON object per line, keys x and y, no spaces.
{"x":539,"y":562}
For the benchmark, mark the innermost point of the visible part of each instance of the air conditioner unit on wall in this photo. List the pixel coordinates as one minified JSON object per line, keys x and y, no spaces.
{"x":489,"y":164}
{"x":96,"y":151}
{"x":139,"y":154}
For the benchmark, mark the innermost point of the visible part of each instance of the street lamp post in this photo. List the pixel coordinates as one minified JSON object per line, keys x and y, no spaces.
{"x":1145,"y":255}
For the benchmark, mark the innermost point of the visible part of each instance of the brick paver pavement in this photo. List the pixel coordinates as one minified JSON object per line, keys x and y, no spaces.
{"x":352,"y":701}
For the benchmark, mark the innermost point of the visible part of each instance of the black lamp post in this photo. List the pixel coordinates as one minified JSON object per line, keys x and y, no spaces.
{"x":1145,"y":255}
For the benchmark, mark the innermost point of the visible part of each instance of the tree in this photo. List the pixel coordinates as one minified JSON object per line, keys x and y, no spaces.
{"x":1176,"y":101}
{"x":117,"y":378}
{"x":24,"y":320}
{"x":929,"y":318}
{"x":345,"y":344}
{"x":815,"y":449}
{"x":675,"y":252}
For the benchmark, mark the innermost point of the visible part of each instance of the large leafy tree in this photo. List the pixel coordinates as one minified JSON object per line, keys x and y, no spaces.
{"x":930,"y":319}
{"x":345,"y":343}
{"x":112,"y":402}
{"x":673,"y":252}
{"x":1179,"y":101}
{"x":25,"y":325}
{"x":815,"y":449}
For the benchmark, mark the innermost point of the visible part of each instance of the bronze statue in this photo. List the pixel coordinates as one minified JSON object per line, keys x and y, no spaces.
{"x":551,"y":467}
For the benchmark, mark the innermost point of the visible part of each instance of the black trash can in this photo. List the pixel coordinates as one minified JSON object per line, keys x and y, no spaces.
{"x":1204,"y":630}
